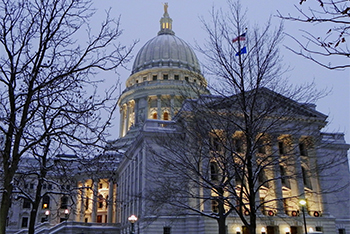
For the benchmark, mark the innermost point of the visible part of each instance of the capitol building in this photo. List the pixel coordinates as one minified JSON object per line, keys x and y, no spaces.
{"x":162,"y":100}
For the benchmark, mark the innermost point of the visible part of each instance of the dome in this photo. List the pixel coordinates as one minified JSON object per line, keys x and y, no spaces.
{"x":166,"y":50}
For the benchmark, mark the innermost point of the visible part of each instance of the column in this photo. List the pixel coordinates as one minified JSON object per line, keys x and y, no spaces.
{"x":136,"y":111}
{"x":94,"y":201}
{"x":159,"y":107}
{"x":171,"y":107}
{"x":121,"y":122}
{"x":127,"y":117}
{"x":110,"y":202}
{"x":277,"y":177}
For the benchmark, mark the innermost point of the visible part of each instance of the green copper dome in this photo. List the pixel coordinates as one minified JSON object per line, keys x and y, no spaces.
{"x":166,"y":51}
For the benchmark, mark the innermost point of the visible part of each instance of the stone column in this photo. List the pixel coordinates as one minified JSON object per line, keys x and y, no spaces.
{"x":277,"y":177}
{"x":110,"y":202}
{"x":171,"y":107}
{"x":127,"y":117}
{"x":136,"y":111}
{"x":94,"y":201}
{"x":159,"y":107}
{"x":121,"y":122}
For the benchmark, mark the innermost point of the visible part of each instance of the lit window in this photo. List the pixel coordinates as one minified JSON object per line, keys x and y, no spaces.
{"x":166,"y":116}
{"x":154,"y":116}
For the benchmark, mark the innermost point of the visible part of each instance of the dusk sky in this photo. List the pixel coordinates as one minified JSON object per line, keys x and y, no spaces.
{"x":140,"y":21}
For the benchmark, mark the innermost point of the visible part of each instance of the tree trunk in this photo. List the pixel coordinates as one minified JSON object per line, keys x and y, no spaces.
{"x":222,"y":225}
{"x":5,"y":205}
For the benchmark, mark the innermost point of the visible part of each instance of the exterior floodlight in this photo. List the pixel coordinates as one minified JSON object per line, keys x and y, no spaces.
{"x":263,"y":230}
{"x":132,"y":219}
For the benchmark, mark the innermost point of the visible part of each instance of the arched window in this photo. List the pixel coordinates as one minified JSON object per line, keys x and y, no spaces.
{"x":46,"y":202}
{"x":64,"y":202}
{"x":154,"y":116}
{"x":166,"y":116}
{"x":214,"y":171}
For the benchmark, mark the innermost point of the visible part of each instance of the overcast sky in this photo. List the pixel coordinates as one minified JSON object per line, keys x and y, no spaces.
{"x":140,"y":21}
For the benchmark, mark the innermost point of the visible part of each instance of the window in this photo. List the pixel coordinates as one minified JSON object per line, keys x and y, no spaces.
{"x":319,"y":229}
{"x":154,"y":116}
{"x":186,"y":78}
{"x":46,"y":202}
{"x":215,"y":143}
{"x":26,"y":203}
{"x":306,"y":178}
{"x":99,"y":219}
{"x":238,"y":145}
{"x":281,"y":147}
{"x":64,"y":202}
{"x":87,"y":203}
{"x":214,"y":206}
{"x":214,"y":171}
{"x":341,"y":231}
{"x":24,"y":222}
{"x":100,"y":201}
{"x":154,"y":77}
{"x":145,"y":78}
{"x":284,"y":179}
{"x":303,"y":149}
{"x":165,"y":77}
{"x":166,"y":230}
{"x":100,"y":185}
{"x":176,"y":77}
{"x":166,"y":116}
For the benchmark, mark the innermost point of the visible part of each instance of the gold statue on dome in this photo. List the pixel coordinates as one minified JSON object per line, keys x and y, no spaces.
{"x":165,"y":8}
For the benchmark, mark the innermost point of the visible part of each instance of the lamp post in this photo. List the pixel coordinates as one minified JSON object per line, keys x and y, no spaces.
{"x":303,"y":203}
{"x":132,"y":219}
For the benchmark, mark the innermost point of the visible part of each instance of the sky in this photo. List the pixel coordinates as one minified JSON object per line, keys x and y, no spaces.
{"x":140,"y":21}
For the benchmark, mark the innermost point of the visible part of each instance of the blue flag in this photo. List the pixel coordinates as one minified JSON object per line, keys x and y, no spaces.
{"x":242,"y":51}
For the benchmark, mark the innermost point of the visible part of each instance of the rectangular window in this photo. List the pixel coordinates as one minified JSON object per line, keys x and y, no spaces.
{"x":176,"y":77}
{"x":186,"y":78}
{"x":154,"y":77}
{"x":303,"y":149}
{"x":238,"y":145}
{"x":214,"y":206}
{"x":319,"y":229}
{"x":24,"y":222}
{"x":341,"y":231}
{"x":281,"y":147}
{"x":26,"y":204}
{"x":166,"y":230}
{"x":165,"y":77}
{"x":99,"y":219}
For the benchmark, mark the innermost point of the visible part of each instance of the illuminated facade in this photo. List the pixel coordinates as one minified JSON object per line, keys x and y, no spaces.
{"x":166,"y":71}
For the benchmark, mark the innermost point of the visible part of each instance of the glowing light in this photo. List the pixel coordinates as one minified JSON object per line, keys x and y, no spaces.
{"x":132,"y":219}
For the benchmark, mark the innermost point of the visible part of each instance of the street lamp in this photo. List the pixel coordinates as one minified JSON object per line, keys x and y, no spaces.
{"x":66,"y":214}
{"x":132,"y":219}
{"x":303,"y":203}
{"x":47,"y":213}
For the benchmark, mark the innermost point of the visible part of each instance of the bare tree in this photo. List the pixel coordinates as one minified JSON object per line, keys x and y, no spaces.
{"x":327,"y":47}
{"x":48,"y":84}
{"x":232,"y":152}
